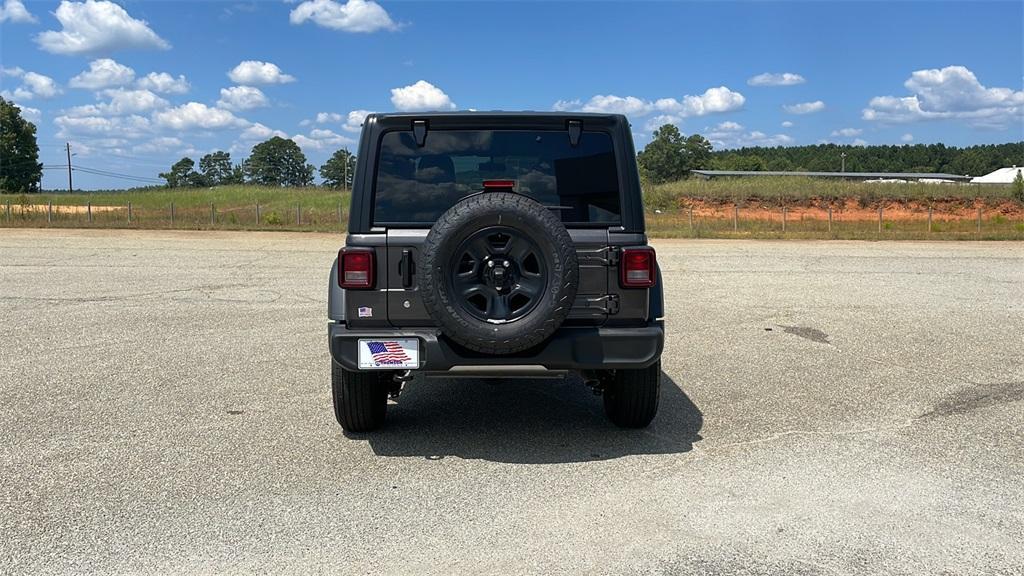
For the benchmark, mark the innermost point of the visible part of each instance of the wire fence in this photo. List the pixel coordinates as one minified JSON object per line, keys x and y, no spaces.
{"x":175,"y":216}
{"x":899,"y":222}
{"x":966,"y":222}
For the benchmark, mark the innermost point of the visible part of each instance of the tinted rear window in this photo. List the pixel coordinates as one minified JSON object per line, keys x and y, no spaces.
{"x":416,"y":185}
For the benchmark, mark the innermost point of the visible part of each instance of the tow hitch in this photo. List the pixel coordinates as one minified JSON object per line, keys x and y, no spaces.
{"x":398,"y":383}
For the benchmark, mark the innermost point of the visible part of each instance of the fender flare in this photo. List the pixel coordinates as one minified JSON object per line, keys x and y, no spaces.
{"x":336,"y":296}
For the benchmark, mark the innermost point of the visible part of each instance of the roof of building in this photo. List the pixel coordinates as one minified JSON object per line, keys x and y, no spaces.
{"x":1001,"y":176}
{"x":864,"y":175}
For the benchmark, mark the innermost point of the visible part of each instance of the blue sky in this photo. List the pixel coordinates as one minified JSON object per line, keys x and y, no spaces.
{"x":136,"y":85}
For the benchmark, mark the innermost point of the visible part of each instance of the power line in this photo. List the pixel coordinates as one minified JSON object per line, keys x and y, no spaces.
{"x":106,"y":174}
{"x":111,"y":172}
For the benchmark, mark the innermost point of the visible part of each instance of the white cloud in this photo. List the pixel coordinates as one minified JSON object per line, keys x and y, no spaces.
{"x":713,"y":100}
{"x":325,"y":117}
{"x":242,"y":98}
{"x":354,"y":120}
{"x":253,"y":72}
{"x":103,"y":73}
{"x":860,"y":142}
{"x":611,"y":104}
{"x":97,"y":26}
{"x":122,"y":102}
{"x":352,"y":16}
{"x":787,"y":124}
{"x":770,"y":79}
{"x":197,"y":115}
{"x":805,"y":107}
{"x":953,"y":92}
{"x":320,"y":139}
{"x":31,"y":114}
{"x":102,"y":126}
{"x":260,"y":132}
{"x":33,"y":85}
{"x":847,"y":132}
{"x":726,"y":139}
{"x":567,"y":105}
{"x":729,"y":126}
{"x":908,"y":137}
{"x":420,"y":96}
{"x":164,"y":83}
{"x":158,"y":145}
{"x":660,"y":120}
{"x":14,"y":11}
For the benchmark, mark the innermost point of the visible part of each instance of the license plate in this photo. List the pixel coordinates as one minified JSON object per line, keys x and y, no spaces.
{"x":389,"y":354}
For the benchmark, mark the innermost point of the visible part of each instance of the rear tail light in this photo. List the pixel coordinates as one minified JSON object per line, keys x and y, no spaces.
{"x":638,"y":268}
{"x":355,"y":268}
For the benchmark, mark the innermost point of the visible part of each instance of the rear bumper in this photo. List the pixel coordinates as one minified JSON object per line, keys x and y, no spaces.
{"x":570,"y":348}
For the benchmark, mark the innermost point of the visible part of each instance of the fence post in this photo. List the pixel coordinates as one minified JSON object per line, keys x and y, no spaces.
{"x":8,"y":210}
{"x":49,"y":212}
{"x":257,"y":213}
{"x":735,"y":217}
{"x":690,"y":210}
{"x":783,"y":219}
{"x":879,"y":219}
{"x":298,"y":215}
{"x":172,"y":214}
{"x":88,"y":208}
{"x":129,"y":212}
{"x":213,"y":215}
{"x":929,"y":219}
{"x":979,"y":220}
{"x":829,"y":218}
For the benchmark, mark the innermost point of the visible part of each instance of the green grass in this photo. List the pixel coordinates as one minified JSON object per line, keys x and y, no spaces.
{"x":327,"y":210}
{"x":234,"y":207}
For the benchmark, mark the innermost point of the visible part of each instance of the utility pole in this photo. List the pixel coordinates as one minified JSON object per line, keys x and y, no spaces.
{"x":843,"y":156}
{"x":71,"y":188}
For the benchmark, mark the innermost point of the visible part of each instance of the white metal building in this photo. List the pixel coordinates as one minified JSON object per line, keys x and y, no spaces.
{"x":1001,"y":176}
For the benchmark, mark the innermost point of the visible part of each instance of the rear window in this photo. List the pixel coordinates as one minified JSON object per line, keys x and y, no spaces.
{"x":416,"y":185}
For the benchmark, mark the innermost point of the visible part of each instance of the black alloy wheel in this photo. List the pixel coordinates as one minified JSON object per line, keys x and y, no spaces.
{"x":499,"y":275}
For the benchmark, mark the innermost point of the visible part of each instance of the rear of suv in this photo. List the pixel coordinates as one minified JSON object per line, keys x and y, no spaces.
{"x":495,"y":245}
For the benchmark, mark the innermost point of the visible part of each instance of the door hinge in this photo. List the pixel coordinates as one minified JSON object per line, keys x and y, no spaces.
{"x":609,"y":303}
{"x":607,"y":256}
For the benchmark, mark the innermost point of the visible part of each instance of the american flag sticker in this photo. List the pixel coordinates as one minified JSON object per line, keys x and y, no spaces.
{"x":365,"y":312}
{"x":389,"y":354}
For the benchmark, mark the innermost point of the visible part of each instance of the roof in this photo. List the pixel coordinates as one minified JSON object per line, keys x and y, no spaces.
{"x":858,"y":175}
{"x":495,"y":114}
{"x":1001,"y":176}
{"x":496,"y":119}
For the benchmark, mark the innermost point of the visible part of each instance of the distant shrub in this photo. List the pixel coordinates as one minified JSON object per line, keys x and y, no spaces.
{"x":273,"y":218}
{"x":1018,"y":187}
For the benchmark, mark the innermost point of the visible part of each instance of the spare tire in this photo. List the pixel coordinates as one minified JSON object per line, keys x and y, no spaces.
{"x":499,"y":273}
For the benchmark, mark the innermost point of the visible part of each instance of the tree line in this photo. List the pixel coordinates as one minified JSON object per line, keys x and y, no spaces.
{"x":275,"y":162}
{"x":972,"y":160}
{"x":671,"y":156}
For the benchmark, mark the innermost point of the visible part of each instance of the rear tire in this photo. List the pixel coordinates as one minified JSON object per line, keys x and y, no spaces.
{"x":360,"y":398}
{"x":631,"y":396}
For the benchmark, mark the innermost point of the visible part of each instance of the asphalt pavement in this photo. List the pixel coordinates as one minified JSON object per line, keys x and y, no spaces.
{"x":828,"y":408}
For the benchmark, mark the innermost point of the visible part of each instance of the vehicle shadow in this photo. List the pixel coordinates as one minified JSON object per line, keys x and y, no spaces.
{"x":526,"y":422}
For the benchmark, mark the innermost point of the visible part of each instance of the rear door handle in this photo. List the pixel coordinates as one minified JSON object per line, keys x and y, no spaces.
{"x":406,"y":268}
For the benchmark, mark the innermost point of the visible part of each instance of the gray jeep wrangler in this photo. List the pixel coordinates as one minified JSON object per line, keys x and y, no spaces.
{"x":495,"y":244}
